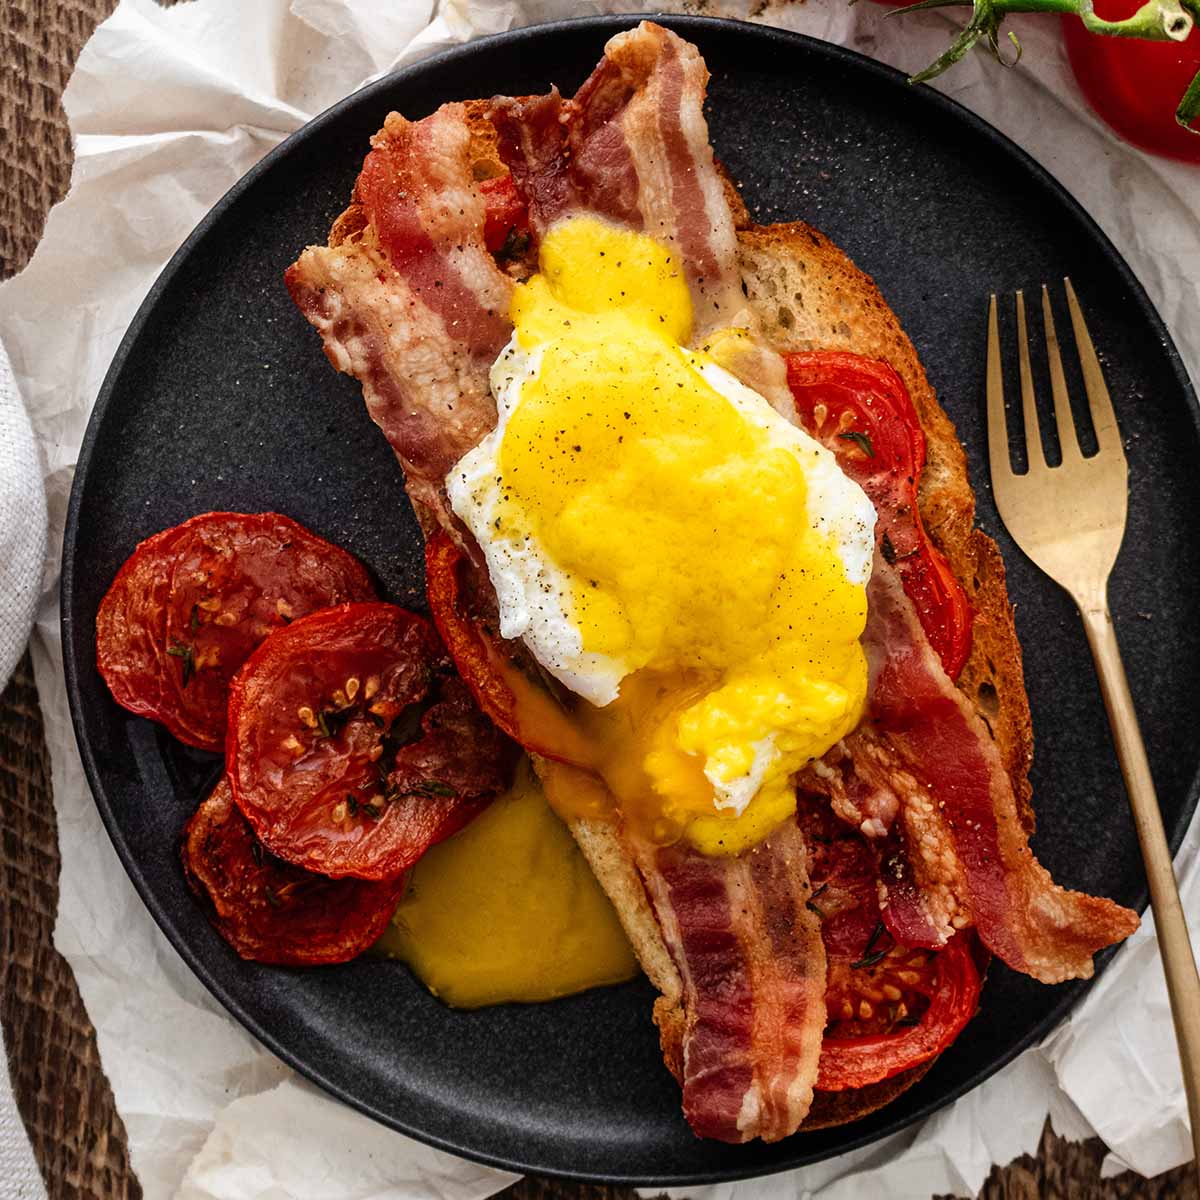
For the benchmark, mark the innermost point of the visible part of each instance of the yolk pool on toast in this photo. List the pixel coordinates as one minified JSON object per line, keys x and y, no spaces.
{"x":685,"y":559}
{"x":508,"y":909}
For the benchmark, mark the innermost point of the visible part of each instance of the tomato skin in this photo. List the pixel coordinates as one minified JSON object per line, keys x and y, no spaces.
{"x":504,"y":211}
{"x":311,"y":753}
{"x":523,"y":708}
{"x":840,"y":397}
{"x":191,"y":603}
{"x":269,"y":911}
{"x":932,"y":994}
{"x":953,"y":985}
{"x":1135,"y":85}
{"x":131,"y":631}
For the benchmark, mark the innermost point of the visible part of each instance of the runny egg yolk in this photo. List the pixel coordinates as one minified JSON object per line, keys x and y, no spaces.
{"x":673,"y":504}
{"x":508,"y":910}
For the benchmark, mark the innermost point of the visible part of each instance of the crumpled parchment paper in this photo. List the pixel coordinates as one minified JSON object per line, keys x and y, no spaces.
{"x":168,"y":108}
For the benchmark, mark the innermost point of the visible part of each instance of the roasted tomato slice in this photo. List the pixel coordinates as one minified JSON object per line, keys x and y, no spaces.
{"x":506,"y":219}
{"x":890,"y":1007}
{"x":327,"y":757}
{"x":899,"y":1011}
{"x":270,"y":911}
{"x":189,"y":606}
{"x":862,"y":411}
{"x":131,"y":632}
{"x":522,"y":706}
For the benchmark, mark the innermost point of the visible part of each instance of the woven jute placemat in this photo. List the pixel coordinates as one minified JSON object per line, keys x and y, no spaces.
{"x":57,"y":1077}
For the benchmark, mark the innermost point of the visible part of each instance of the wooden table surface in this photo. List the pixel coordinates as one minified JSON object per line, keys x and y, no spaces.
{"x":61,"y":1089}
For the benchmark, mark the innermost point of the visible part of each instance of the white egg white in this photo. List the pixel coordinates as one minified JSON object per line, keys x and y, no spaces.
{"x":530,"y":587}
{"x":734,"y":794}
{"x":534,"y":592}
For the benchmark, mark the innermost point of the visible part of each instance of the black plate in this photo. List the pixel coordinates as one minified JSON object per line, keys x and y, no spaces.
{"x":219,"y":398}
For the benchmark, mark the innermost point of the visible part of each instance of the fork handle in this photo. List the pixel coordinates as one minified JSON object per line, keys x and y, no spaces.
{"x":1179,"y":965}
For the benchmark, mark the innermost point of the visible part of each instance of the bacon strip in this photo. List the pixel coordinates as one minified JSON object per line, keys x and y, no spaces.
{"x":632,"y":146}
{"x":752,"y":961}
{"x":415,"y":307}
{"x":961,"y":825}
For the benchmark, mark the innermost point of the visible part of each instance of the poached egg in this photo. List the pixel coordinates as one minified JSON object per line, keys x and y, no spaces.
{"x":674,"y":551}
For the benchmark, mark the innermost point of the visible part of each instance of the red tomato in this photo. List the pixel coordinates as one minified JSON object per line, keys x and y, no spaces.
{"x":191,"y":603}
{"x":522,"y":706}
{"x":861,"y":410}
{"x":890,"y":1007}
{"x":270,"y":911}
{"x":320,"y":756}
{"x":938,"y":994}
{"x":506,"y":220}
{"x":1136,"y":85}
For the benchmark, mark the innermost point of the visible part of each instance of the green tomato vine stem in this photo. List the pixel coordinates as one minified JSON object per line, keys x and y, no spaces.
{"x":1155,"y":21}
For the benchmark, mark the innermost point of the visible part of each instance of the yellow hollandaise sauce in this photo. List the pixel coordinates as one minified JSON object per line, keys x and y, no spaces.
{"x":670,"y":547}
{"x":508,"y":910}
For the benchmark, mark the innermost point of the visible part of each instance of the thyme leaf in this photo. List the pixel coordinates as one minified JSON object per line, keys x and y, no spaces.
{"x":861,"y":440}
{"x":435,"y":787}
{"x":870,"y":955}
{"x":188,"y":655}
{"x":331,"y":720}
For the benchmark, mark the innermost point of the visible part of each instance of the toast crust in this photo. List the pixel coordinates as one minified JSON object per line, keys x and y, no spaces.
{"x":809,"y":295}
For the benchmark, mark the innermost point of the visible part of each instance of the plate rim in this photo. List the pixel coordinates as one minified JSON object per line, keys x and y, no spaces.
{"x":603,"y":26}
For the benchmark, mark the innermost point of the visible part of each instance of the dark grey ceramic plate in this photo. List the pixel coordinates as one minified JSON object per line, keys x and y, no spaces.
{"x":219,"y":398}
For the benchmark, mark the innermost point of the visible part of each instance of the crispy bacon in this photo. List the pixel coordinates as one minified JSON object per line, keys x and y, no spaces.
{"x":960,"y":854}
{"x":752,"y":961}
{"x":414,"y":306}
{"x":632,"y":146}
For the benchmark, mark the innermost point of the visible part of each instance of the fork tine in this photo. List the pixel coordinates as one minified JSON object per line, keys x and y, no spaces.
{"x":1104,"y":420}
{"x":997,"y":425}
{"x":1033,"y":434}
{"x":1067,"y":438}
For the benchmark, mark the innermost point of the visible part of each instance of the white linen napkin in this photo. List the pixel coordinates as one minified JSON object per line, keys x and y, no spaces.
{"x":22,"y":523}
{"x":168,"y":108}
{"x":19,"y":1175}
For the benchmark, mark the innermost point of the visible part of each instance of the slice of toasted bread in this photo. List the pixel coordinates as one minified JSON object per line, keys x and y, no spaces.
{"x":809,"y":295}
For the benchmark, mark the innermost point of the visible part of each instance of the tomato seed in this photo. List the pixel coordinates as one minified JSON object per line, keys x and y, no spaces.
{"x":891,"y":992}
{"x":372,"y":687}
{"x":351,"y":688}
{"x":307,"y":716}
{"x":865,"y":1011}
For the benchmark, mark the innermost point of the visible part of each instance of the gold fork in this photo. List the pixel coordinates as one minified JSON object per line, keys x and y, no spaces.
{"x":1070,"y":520}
